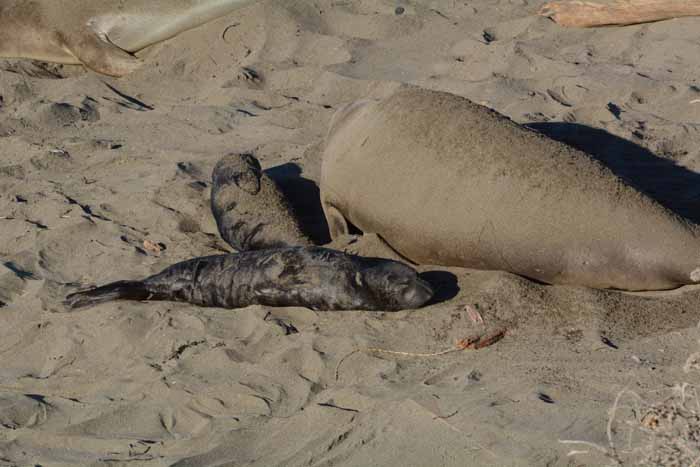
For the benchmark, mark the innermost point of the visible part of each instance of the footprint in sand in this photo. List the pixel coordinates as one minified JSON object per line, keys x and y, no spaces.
{"x":23,"y":410}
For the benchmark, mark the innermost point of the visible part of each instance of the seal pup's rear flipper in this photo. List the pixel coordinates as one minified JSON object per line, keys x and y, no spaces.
{"x":120,"y":290}
{"x":95,"y":51}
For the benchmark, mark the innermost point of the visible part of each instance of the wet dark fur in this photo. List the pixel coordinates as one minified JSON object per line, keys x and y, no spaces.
{"x":314,"y":277}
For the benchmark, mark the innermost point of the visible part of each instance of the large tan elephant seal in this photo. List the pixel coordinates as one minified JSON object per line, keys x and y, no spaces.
{"x":100,"y":34}
{"x":445,"y":181}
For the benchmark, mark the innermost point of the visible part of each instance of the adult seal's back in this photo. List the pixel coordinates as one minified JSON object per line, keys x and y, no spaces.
{"x":446,"y":181}
{"x":100,"y":34}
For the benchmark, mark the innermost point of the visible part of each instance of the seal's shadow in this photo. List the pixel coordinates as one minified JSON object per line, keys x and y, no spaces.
{"x":444,"y":284}
{"x":304,"y":197}
{"x":673,"y":186}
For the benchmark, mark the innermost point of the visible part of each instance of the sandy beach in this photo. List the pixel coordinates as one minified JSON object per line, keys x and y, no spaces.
{"x":104,"y":179}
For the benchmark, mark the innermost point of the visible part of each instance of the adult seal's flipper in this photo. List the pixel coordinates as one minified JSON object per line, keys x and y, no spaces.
{"x":96,"y":52}
{"x":100,"y":34}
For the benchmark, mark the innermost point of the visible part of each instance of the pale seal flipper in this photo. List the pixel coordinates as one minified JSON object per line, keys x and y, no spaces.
{"x":250,"y":210}
{"x":316,"y":278}
{"x":445,"y":181}
{"x":100,"y":34}
{"x":100,"y":55}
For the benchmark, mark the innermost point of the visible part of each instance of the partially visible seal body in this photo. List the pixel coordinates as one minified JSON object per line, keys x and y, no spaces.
{"x":100,"y":34}
{"x":250,"y":210}
{"x":445,"y":181}
{"x":316,"y":278}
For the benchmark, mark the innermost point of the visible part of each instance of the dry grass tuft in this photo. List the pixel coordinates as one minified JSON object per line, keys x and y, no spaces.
{"x":661,"y":429}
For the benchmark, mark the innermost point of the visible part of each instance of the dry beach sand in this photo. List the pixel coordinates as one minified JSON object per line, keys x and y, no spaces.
{"x":104,"y":179}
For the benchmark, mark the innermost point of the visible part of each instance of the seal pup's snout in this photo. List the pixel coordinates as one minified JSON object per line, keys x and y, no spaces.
{"x":398,"y":286}
{"x":417,"y":293}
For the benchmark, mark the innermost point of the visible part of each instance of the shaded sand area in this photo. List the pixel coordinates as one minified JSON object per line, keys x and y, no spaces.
{"x":104,"y":179}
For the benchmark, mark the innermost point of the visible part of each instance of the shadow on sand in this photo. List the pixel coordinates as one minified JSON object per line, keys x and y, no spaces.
{"x":304,"y":197}
{"x":673,"y":186}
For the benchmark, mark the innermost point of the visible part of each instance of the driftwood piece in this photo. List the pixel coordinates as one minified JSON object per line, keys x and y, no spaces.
{"x":584,"y":14}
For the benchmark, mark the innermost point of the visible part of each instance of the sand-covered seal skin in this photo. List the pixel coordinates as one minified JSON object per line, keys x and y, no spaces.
{"x":100,"y":34}
{"x":250,"y":210}
{"x":316,"y":278}
{"x":445,"y":181}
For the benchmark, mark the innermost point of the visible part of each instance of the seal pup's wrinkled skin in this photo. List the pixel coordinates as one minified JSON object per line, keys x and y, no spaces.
{"x":445,"y":181}
{"x":315,"y":278}
{"x":100,"y":34}
{"x":250,"y":210}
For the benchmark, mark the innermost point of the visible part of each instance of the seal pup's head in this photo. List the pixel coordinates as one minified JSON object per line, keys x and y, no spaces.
{"x":243,"y":170}
{"x":395,"y":286}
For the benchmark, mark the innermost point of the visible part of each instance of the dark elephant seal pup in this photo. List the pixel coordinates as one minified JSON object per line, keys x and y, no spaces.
{"x":100,"y":34}
{"x":445,"y":181}
{"x":250,"y":210}
{"x":315,"y":278}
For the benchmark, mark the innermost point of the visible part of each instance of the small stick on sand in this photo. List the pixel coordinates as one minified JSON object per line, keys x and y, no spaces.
{"x":462,"y":344}
{"x":585,"y":14}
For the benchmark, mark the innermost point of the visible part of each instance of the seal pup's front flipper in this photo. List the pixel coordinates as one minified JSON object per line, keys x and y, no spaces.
{"x":94,"y":50}
{"x":120,"y":290}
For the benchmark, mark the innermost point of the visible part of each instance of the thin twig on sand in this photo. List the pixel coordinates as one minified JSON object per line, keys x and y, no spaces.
{"x":460,"y":345}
